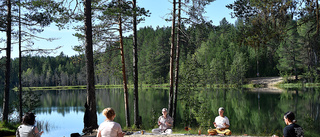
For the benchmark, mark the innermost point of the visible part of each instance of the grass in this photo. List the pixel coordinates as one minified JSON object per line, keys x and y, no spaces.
{"x":298,"y":85}
{"x":166,"y":85}
{"x":96,"y":86}
{"x":285,"y":85}
{"x":67,"y":87}
{"x":7,"y":129}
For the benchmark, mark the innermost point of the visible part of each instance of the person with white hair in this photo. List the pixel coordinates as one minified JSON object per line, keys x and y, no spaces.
{"x":221,"y":123}
{"x":165,"y":123}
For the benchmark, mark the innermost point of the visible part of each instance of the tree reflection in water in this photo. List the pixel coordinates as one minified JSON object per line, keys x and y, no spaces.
{"x":251,"y":113}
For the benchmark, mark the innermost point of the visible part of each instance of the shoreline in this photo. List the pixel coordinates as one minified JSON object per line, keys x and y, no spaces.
{"x":173,"y":135}
{"x":269,"y":84}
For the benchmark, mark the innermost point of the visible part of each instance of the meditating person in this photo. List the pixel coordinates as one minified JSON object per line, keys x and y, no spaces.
{"x":27,"y":128}
{"x":165,"y":123}
{"x":109,"y":128}
{"x":221,"y":123}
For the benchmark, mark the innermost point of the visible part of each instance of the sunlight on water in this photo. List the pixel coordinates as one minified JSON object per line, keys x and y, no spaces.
{"x":61,"y":125}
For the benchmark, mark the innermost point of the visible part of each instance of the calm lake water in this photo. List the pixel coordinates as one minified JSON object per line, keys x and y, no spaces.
{"x":61,"y":112}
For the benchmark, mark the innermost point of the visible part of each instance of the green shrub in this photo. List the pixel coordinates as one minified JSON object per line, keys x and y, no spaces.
{"x":7,"y":129}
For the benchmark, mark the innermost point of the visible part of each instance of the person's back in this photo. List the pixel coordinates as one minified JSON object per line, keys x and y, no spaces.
{"x":27,"y":128}
{"x":293,"y":130}
{"x":110,"y":129}
{"x":26,"y":131}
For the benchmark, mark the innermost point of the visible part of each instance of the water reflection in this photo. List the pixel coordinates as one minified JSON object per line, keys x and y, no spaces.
{"x":252,"y":113}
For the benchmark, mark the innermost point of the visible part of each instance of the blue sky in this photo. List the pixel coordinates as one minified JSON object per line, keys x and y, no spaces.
{"x":216,"y":11}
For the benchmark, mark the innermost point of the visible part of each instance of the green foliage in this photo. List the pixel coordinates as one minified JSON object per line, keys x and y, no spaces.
{"x":154,"y":119}
{"x":311,"y":75}
{"x":291,"y":52}
{"x":238,"y":69}
{"x":30,"y":100}
{"x":195,"y":107}
{"x":203,"y":114}
{"x":7,"y":129}
{"x":285,"y":76}
{"x":226,"y":53}
{"x":153,"y":55}
{"x":188,"y":84}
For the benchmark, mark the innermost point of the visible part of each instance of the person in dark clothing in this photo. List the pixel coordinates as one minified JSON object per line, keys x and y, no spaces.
{"x":292,"y":129}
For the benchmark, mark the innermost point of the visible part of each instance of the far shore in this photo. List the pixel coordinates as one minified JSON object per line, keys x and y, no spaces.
{"x":261,"y":84}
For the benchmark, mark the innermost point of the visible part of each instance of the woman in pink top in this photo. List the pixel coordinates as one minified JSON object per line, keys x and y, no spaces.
{"x":109,"y":128}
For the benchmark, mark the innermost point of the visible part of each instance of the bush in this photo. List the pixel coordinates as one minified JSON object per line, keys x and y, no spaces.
{"x":7,"y":129}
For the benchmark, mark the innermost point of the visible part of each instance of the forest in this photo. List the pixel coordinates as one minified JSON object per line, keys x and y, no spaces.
{"x":269,"y":38}
{"x":216,"y":51}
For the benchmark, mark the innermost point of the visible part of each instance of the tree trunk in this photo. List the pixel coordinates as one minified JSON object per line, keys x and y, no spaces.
{"x":175,"y":98}
{"x":8,"y":62}
{"x":124,"y":74}
{"x":137,"y":121}
{"x":295,"y":65}
{"x":318,"y":21}
{"x":90,"y":116}
{"x":170,"y":107}
{"x":257,"y":52}
{"x":20,"y":69}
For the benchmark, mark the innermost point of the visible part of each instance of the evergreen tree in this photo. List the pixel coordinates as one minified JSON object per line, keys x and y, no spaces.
{"x":265,"y":25}
{"x":290,"y":52}
{"x":238,"y":68}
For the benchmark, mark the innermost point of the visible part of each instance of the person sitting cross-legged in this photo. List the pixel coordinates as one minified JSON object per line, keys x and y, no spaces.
{"x":165,"y":123}
{"x":221,"y":123}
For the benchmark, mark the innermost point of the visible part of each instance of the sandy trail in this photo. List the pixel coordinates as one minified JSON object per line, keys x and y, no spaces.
{"x":268,"y":82}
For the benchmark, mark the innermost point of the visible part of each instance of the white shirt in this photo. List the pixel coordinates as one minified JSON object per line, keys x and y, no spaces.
{"x":163,"y":121}
{"x":26,"y":131}
{"x":220,"y":121}
{"x":109,"y":129}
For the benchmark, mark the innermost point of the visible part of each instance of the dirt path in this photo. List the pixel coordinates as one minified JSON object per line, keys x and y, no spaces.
{"x":267,"y":81}
{"x":268,"y":84}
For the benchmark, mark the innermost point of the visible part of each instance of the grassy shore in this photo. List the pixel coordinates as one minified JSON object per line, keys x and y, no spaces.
{"x":257,"y":82}
{"x":162,"y":86}
{"x":7,"y":129}
{"x":96,"y":86}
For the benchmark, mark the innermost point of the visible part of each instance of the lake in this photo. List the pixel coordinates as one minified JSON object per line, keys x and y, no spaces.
{"x":61,"y":112}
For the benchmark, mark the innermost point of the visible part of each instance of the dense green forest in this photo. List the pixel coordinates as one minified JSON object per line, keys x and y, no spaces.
{"x":269,"y":38}
{"x":217,"y":52}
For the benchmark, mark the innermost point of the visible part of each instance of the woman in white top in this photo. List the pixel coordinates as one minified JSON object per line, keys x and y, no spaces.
{"x":109,"y":128}
{"x":27,"y":128}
